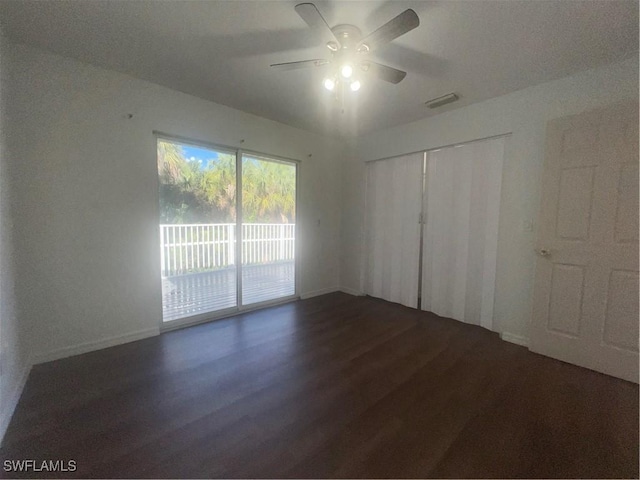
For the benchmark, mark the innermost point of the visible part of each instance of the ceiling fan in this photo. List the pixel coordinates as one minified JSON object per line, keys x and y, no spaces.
{"x":349,"y":51}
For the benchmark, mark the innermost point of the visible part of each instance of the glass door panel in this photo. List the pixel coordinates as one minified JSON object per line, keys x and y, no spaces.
{"x":197,"y":229}
{"x":268,"y":229}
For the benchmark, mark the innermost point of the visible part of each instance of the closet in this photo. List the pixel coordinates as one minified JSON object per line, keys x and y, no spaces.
{"x":432,"y":229}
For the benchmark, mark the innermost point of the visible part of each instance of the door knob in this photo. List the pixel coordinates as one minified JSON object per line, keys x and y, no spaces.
{"x":543,"y":252}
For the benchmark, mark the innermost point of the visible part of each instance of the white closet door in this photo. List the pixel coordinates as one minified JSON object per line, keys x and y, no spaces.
{"x":394,"y":197}
{"x":462,"y":205}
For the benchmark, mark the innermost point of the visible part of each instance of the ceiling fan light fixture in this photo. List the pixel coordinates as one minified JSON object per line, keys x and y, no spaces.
{"x":346,"y":45}
{"x":329,"y":84}
{"x":346,"y":71}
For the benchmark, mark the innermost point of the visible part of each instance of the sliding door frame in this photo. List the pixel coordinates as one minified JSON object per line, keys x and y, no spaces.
{"x":296,"y":261}
{"x":239,"y":308}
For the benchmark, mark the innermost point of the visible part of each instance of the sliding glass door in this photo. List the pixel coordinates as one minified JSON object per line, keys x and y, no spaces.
{"x":268,"y":229}
{"x":216,"y":257}
{"x":197,"y":229}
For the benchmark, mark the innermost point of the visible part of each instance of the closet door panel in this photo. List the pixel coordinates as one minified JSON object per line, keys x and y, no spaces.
{"x":460,"y":239}
{"x":394,"y":193}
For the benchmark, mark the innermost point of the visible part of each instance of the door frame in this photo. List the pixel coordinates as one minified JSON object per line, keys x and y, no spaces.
{"x":239,"y":308}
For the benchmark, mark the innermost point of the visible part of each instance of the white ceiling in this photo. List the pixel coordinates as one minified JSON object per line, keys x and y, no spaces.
{"x":221,"y":50}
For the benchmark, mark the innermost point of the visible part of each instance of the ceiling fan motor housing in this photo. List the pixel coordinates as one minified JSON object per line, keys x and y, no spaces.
{"x":347,"y":35}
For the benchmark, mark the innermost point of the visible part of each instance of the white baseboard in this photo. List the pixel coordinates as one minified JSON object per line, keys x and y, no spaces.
{"x":317,"y":293}
{"x":12,"y":400}
{"x":351,"y":291}
{"x":95,"y":345}
{"x":517,"y":339}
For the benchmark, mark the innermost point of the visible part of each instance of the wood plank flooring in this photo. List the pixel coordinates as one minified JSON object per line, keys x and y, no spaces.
{"x":334,"y":386}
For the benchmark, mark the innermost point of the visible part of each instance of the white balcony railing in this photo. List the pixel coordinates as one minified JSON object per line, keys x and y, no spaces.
{"x":190,"y":248}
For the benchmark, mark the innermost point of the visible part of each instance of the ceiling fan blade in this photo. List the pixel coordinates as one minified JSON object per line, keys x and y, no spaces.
{"x":403,"y":23}
{"x":384,"y":72}
{"x":312,"y":17}
{"x":318,"y":62}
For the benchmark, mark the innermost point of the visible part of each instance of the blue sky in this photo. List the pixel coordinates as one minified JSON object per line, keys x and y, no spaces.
{"x":203,"y":155}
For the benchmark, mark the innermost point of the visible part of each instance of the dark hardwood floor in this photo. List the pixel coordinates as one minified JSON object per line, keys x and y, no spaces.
{"x":334,"y":386}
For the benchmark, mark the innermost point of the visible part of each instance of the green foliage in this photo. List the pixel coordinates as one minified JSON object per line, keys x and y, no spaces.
{"x":171,"y":162}
{"x":191,"y":193}
{"x":268,"y":192}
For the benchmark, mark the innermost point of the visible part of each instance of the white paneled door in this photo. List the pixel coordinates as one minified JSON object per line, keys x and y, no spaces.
{"x":586,"y":287}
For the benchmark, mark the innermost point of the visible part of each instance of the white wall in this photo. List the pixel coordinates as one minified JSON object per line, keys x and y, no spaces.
{"x":87,"y":200}
{"x":524,"y":114}
{"x":14,"y":358}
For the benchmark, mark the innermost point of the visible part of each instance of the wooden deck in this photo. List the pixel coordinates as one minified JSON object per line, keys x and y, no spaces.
{"x":197,"y":293}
